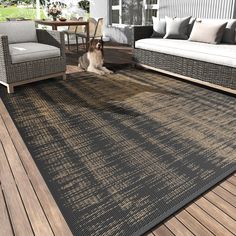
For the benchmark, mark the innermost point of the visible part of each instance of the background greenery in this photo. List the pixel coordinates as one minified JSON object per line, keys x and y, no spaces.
{"x":14,"y":12}
{"x":8,"y":9}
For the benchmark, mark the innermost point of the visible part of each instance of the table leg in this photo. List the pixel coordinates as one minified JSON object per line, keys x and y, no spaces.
{"x":54,"y":27}
{"x":87,"y":38}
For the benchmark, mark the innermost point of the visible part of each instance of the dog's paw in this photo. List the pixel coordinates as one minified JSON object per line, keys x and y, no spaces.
{"x":102,"y":73}
{"x":108,"y":71}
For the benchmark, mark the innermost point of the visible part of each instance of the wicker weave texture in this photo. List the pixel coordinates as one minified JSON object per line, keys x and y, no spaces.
{"x":4,"y":57}
{"x":204,"y":71}
{"x":141,"y":32}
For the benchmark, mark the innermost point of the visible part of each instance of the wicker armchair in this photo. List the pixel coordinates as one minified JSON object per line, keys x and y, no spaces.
{"x":15,"y":71}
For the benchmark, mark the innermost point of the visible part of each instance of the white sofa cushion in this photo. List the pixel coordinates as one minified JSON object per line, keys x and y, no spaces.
{"x":22,"y":52}
{"x":19,"y":31}
{"x":222,"y":54}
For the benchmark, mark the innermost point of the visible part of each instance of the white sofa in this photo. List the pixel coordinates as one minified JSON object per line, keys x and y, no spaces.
{"x":209,"y":64}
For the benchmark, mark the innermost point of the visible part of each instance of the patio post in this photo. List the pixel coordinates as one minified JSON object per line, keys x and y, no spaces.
{"x":37,"y":9}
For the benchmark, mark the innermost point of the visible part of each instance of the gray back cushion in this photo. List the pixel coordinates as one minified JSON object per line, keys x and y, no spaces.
{"x":19,"y":31}
{"x":229,"y":34}
{"x":177,"y":28}
{"x":159,"y":27}
{"x":208,"y":32}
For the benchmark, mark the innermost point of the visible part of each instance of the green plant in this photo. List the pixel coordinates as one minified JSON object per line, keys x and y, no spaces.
{"x":14,"y":12}
{"x":85,"y":5}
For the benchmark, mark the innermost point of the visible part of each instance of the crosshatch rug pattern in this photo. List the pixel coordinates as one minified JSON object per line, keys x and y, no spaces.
{"x":122,"y":152}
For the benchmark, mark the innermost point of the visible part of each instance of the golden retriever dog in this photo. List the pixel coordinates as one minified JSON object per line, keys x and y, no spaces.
{"x":93,"y":60}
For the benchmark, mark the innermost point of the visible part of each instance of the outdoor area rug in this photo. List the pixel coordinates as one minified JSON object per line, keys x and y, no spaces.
{"x":120,"y":153}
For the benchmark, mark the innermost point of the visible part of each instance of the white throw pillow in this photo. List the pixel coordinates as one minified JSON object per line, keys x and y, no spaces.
{"x":159,"y":27}
{"x":207,"y":32}
{"x":229,"y":32}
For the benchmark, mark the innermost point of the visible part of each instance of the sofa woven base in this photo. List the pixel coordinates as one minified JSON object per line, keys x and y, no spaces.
{"x":203,"y":71}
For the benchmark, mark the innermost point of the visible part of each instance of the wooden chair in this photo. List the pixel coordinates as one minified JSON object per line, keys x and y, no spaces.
{"x":80,"y":30}
{"x":72,"y":30}
{"x":95,"y":30}
{"x":99,"y":29}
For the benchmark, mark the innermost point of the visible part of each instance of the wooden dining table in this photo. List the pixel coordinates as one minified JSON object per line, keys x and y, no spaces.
{"x":58,"y":23}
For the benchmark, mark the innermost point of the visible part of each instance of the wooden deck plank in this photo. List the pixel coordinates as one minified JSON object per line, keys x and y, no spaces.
{"x":217,"y":214}
{"x":177,"y":228}
{"x":162,"y":230}
{"x":226,"y":195}
{"x":34,"y":210}
{"x":191,"y":223}
{"x":5,"y":224}
{"x":209,"y":222}
{"x":149,"y":234}
{"x":229,"y":186}
{"x":232,"y":180}
{"x":220,"y":203}
{"x":18,"y":216}
{"x":51,"y":210}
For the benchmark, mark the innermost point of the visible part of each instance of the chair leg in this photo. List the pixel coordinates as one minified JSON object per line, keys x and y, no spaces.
{"x":83,"y":43}
{"x":68,"y":41}
{"x":64,"y":76}
{"x":77,"y":43}
{"x":10,"y":88}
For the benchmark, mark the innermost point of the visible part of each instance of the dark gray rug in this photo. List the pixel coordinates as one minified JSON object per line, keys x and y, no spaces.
{"x":121,"y":153}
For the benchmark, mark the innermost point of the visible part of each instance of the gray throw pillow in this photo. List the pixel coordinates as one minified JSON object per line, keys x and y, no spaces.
{"x":207,"y":32}
{"x":177,"y":28}
{"x":229,"y":33}
{"x":159,"y":27}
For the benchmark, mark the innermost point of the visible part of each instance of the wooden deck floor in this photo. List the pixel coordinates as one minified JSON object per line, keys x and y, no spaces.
{"x":28,"y":208}
{"x":26,"y":204}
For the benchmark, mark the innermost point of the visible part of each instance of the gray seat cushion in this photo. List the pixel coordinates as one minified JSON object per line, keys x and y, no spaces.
{"x":22,"y":52}
{"x":222,"y":54}
{"x":19,"y":31}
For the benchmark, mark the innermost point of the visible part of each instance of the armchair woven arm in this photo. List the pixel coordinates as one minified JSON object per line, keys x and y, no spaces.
{"x":5,"y":57}
{"x":53,"y":38}
{"x":141,"y":32}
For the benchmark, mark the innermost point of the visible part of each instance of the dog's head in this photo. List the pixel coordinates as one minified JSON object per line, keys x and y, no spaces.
{"x":96,"y":44}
